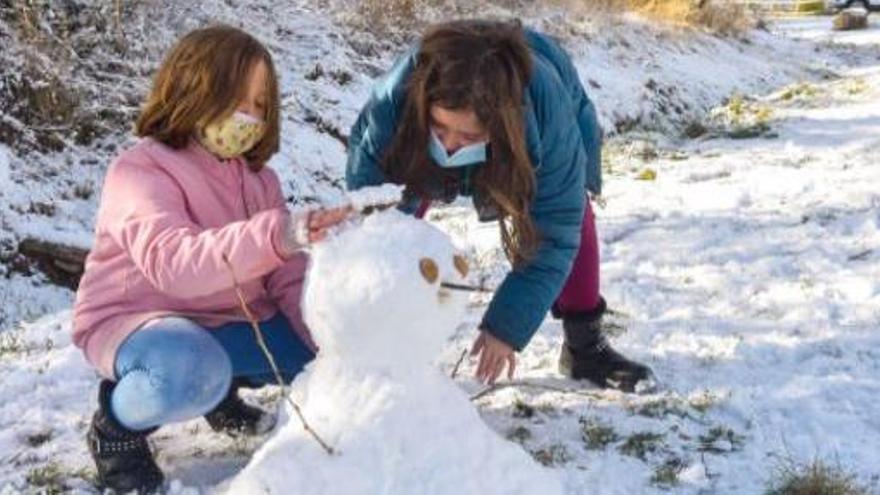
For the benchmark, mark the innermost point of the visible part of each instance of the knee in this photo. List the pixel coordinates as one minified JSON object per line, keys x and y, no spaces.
{"x":206,"y":372}
{"x":170,"y":373}
{"x":196,"y":372}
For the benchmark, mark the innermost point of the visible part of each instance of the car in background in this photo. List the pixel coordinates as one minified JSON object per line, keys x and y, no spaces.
{"x":869,"y":5}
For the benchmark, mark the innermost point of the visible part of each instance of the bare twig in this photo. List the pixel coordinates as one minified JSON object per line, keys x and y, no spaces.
{"x":709,"y":474}
{"x":13,"y":458}
{"x":262,"y":343}
{"x":28,"y":24}
{"x":117,"y":20}
{"x":468,"y":288}
{"x":524,"y":384}
{"x":374,"y":208}
{"x":458,"y":364}
{"x":860,"y":256}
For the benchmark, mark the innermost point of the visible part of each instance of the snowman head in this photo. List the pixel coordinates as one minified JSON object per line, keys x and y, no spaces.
{"x":378,"y":293}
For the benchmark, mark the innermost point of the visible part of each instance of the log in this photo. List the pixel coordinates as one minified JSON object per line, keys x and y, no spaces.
{"x":63,"y":264}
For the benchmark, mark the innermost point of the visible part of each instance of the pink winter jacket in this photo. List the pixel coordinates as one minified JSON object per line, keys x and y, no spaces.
{"x":166,"y":219}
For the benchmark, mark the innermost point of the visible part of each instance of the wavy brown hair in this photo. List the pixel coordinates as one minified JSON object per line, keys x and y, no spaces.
{"x":484,"y":67}
{"x":203,"y":79}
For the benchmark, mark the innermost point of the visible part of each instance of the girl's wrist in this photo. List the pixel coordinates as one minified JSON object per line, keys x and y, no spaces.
{"x":294,"y":234}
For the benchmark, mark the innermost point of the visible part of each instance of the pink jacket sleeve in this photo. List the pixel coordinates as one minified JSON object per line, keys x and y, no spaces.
{"x":147,"y":215}
{"x":285,"y":285}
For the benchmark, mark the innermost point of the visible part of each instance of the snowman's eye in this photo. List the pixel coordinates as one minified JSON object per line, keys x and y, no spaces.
{"x":429,"y":270}
{"x":461,"y":265}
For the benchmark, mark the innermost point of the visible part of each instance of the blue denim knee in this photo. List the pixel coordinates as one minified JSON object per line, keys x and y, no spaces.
{"x":170,"y":370}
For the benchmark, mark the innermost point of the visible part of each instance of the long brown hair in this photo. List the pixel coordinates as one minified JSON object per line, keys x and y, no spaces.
{"x":481,"y":66}
{"x":202,"y":79}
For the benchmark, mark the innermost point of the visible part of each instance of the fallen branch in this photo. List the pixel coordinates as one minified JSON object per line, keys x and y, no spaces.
{"x":458,"y":364}
{"x":262,"y":343}
{"x":370,"y":209}
{"x":540,"y":386}
{"x":860,"y":256}
{"x":63,"y":264}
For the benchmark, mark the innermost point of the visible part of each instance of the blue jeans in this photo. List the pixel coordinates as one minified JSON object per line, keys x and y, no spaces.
{"x":173,"y":369}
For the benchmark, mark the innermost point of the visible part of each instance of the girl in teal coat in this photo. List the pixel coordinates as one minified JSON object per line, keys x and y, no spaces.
{"x":497,"y":112}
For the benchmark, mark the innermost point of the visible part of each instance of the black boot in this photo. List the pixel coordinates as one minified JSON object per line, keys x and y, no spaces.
{"x":122,"y":456}
{"x":587,"y":355}
{"x":235,"y":417}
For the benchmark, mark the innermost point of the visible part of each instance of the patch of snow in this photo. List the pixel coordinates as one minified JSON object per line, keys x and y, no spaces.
{"x":384,"y":195}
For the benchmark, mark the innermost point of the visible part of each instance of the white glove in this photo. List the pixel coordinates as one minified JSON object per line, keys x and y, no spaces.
{"x":306,"y":227}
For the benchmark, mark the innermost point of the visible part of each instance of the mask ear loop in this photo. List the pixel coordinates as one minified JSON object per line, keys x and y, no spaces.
{"x":247,"y":118}
{"x":437,"y":150}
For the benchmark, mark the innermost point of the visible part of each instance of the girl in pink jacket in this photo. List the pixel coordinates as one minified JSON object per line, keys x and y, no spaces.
{"x":183,"y":213}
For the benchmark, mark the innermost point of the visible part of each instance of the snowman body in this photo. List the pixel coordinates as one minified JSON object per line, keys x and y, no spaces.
{"x":399,"y":425}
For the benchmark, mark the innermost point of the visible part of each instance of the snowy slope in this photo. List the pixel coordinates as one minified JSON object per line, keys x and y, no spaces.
{"x":641,"y":76}
{"x":747,"y":274}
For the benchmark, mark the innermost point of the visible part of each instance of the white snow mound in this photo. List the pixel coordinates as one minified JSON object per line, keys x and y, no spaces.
{"x":400,"y":425}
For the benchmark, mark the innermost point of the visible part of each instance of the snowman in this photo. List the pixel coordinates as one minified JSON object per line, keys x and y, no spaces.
{"x":381,"y":300}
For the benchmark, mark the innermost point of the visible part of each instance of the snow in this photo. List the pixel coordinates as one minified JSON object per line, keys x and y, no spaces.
{"x":4,"y":165}
{"x":373,"y":392}
{"x":377,"y":196}
{"x":747,"y":271}
{"x":818,"y":29}
{"x":747,"y":274}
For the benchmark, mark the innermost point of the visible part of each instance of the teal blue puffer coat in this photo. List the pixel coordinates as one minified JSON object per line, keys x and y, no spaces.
{"x":564,"y":141}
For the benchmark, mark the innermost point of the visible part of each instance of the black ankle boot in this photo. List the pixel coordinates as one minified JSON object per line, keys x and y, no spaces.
{"x":587,"y":355}
{"x":122,"y":456}
{"x":235,"y":417}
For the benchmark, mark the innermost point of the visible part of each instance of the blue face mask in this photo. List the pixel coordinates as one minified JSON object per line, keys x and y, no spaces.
{"x":467,"y":155}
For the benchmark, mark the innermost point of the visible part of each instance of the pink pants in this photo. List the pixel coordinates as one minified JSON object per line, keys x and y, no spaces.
{"x":581,"y":289}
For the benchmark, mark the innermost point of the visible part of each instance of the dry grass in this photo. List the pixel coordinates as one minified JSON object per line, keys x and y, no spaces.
{"x":716,"y":16}
{"x":398,"y":16}
{"x":381,"y":12}
{"x":816,"y":478}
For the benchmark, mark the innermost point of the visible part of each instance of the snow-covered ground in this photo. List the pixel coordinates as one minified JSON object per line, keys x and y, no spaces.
{"x":818,"y":29}
{"x":748,"y":276}
{"x":747,"y":273}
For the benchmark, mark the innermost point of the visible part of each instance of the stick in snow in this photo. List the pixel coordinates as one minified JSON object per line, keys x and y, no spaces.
{"x":259,"y":335}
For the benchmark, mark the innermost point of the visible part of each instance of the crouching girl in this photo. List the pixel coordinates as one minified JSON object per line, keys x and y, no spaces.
{"x":190,"y":218}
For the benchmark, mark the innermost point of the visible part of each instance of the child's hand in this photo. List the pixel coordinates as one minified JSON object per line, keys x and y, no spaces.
{"x":494,"y":354}
{"x":321,"y":220}
{"x":310,"y":226}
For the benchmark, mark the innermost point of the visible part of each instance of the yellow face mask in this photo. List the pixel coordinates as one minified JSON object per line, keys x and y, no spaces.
{"x":233,"y":136}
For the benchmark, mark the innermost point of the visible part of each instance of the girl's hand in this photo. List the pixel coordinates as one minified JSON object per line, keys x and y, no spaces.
{"x":321,"y":220}
{"x":494,"y":355}
{"x":308,"y":227}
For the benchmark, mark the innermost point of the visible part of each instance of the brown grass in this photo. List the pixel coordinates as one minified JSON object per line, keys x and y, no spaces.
{"x":716,"y":16}
{"x":816,"y":478}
